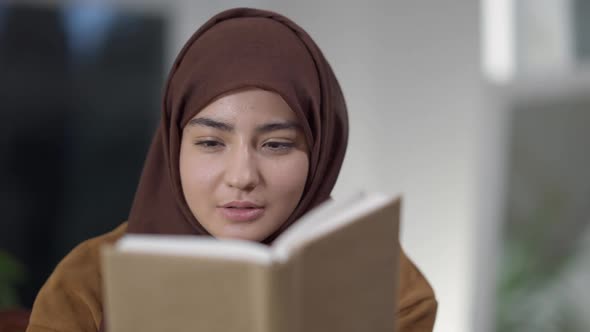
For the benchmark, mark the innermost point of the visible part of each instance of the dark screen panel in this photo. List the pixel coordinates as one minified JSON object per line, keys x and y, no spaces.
{"x":80,"y":92}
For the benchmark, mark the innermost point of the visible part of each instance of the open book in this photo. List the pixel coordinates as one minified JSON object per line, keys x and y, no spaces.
{"x":335,"y":269}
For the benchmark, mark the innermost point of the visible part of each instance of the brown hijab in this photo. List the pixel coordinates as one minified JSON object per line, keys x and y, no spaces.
{"x":235,"y":49}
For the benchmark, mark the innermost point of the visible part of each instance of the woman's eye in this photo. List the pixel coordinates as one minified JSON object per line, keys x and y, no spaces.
{"x":209,"y":144}
{"x":278,"y":146}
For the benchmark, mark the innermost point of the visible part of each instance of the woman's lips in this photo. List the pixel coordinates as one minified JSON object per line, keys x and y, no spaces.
{"x":241,"y":214}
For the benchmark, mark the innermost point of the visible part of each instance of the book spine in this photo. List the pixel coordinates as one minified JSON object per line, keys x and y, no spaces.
{"x":277,"y":298}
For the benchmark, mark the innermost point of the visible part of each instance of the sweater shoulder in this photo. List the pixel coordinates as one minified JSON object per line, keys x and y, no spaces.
{"x":71,"y":299}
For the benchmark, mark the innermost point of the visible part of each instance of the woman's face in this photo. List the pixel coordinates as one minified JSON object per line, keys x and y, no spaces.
{"x":243,"y":164}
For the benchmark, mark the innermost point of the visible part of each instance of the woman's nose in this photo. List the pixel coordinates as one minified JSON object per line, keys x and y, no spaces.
{"x":241,"y":170}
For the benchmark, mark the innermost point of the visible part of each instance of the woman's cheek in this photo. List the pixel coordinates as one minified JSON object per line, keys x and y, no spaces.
{"x":202,"y":172}
{"x":290,"y":174}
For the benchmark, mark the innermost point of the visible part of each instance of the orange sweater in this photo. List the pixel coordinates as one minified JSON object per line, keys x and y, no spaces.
{"x":71,"y":299}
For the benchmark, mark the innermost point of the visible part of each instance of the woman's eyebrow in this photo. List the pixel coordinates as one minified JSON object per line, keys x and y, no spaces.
{"x":207,"y":122}
{"x":265,"y":128}
{"x":274,"y":126}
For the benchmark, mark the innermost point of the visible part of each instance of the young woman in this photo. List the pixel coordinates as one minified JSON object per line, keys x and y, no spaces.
{"x":252,"y":136}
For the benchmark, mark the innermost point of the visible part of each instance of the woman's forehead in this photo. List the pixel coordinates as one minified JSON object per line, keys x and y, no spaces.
{"x":249,"y":104}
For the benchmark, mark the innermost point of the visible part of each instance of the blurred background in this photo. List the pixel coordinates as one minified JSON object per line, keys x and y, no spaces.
{"x":478,"y":112}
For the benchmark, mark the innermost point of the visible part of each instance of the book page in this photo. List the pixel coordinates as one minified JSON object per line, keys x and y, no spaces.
{"x":321,"y":213}
{"x":347,"y":278}
{"x":195,"y":246}
{"x":325,"y":219}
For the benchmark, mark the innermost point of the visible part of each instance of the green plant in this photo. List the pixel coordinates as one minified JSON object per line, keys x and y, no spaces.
{"x":12,"y":273}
